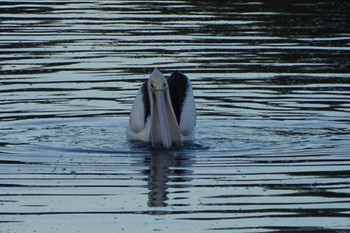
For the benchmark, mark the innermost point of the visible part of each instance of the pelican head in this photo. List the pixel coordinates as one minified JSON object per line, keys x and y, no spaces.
{"x":157,"y":81}
{"x":164,"y":126}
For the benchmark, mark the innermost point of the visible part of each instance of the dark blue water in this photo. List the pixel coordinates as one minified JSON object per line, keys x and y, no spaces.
{"x":272,"y":87}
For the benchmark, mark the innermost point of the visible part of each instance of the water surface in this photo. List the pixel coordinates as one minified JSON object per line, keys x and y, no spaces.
{"x":272,"y":87}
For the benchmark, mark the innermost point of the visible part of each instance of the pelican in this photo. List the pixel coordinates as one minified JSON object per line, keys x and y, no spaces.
{"x":164,"y":111}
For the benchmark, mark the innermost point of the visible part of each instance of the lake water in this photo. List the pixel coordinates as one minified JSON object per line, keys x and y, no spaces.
{"x":272,"y":87}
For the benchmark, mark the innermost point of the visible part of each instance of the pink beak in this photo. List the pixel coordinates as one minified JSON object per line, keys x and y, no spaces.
{"x":164,"y":129}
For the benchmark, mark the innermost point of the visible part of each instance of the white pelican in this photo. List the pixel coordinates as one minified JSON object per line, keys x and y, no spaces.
{"x":163,"y":111}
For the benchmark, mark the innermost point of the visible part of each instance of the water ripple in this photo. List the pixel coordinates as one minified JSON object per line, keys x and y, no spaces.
{"x":272,"y":90}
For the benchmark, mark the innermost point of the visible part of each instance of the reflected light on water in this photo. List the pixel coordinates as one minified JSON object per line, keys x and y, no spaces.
{"x":272,"y":87}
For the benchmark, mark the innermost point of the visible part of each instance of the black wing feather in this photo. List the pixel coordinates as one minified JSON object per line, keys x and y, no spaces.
{"x":145,"y":99}
{"x":178,"y":86}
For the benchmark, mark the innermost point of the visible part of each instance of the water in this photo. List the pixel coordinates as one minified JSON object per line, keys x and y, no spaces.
{"x":272,"y":85}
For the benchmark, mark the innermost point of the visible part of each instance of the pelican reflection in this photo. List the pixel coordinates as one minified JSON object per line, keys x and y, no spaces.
{"x":168,"y":172}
